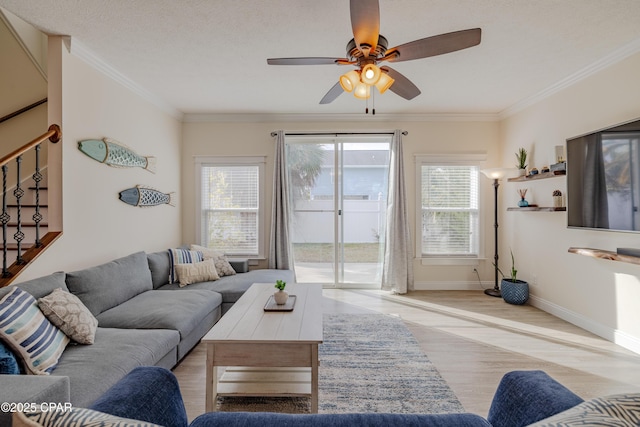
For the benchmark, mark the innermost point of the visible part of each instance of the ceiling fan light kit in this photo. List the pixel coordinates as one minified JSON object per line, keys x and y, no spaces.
{"x":368,"y":48}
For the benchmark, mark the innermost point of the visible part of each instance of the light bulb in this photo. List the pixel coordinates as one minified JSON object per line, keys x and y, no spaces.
{"x":370,"y":74}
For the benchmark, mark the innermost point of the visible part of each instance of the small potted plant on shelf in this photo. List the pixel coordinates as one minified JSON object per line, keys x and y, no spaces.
{"x":280,"y":296}
{"x":514,"y":291}
{"x":521,"y":157}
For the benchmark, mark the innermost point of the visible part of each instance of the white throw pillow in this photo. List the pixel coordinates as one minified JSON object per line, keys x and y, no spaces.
{"x":197,"y":272}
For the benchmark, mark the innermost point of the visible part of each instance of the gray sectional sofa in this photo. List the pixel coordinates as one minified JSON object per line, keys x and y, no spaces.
{"x":143,"y":320}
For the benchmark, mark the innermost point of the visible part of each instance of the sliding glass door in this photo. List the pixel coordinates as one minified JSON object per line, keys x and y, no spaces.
{"x":338,"y":190}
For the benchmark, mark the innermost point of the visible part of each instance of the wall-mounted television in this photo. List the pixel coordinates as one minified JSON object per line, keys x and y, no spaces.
{"x":603,"y":179}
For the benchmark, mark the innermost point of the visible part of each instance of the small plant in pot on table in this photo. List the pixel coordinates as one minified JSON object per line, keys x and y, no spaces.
{"x":514,"y":291}
{"x":281,"y":296}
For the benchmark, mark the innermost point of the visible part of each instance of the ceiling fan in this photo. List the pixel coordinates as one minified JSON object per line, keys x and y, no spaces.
{"x":368,"y":48}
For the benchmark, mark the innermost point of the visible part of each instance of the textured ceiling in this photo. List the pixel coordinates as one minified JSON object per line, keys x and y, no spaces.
{"x":209,"y":56}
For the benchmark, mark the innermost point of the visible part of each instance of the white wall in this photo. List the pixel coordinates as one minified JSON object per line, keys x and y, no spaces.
{"x":601,"y":296}
{"x":427,"y":137}
{"x":97,"y":225}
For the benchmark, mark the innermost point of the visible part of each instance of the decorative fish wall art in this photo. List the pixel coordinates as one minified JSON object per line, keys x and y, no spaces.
{"x":114,"y":154}
{"x":144,"y":197}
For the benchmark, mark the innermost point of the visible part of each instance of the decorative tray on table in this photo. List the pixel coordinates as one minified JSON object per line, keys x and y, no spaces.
{"x":272,"y":306}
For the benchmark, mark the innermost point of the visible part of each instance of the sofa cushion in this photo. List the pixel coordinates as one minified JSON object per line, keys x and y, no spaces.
{"x":67,"y":312}
{"x":197,"y":272}
{"x":73,"y":418}
{"x":157,"y":398}
{"x":32,"y":389}
{"x":8,"y":361}
{"x":29,"y":333}
{"x":181,"y":312}
{"x":39,"y":287}
{"x":615,"y":410}
{"x":105,"y":286}
{"x":160,"y":266}
{"x":93,"y":369}
{"x":537,"y":386}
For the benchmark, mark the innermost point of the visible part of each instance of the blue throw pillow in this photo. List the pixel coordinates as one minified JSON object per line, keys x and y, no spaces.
{"x":8,"y":363}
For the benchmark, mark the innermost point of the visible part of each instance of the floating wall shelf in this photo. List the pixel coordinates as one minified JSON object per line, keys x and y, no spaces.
{"x":544,"y":175}
{"x":537,"y":209}
{"x":608,"y":255}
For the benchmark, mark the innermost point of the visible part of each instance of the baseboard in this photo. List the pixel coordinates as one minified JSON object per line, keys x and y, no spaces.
{"x":461,"y":285}
{"x":610,"y":334}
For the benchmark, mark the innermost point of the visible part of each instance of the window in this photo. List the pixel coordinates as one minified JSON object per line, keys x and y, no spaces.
{"x":231,"y":204}
{"x":448,"y":208}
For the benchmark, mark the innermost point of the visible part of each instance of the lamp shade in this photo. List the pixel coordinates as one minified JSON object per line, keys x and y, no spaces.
{"x":370,"y":74}
{"x":384,"y":83}
{"x":349,"y":80}
{"x":497,"y":173}
{"x":362,"y":91}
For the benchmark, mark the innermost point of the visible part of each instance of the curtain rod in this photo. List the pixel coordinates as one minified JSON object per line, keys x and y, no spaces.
{"x":405,"y":133}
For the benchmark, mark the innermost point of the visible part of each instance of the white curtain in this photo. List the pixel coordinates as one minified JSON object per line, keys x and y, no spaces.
{"x":280,"y":242}
{"x":397,"y":270}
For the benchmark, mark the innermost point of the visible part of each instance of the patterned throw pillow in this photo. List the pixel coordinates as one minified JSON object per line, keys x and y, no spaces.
{"x":182,"y":256}
{"x":196,"y":272}
{"x":29,"y":333}
{"x":68,"y":313}
{"x":222,"y":265}
{"x":73,"y":418}
{"x":616,"y":410}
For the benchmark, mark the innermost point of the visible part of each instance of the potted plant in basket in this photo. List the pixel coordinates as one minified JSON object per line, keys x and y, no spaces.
{"x":521,"y":157}
{"x":514,"y":291}
{"x":280,"y":296}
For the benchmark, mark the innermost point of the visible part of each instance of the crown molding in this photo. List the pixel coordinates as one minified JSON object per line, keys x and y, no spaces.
{"x":607,"y":61}
{"x":78,"y":49}
{"x":350,"y":117}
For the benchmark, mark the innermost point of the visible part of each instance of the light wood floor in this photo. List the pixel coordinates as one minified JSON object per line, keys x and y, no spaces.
{"x":473,"y":339}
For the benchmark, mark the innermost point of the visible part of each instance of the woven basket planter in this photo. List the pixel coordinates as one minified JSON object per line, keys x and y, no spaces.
{"x":515,"y":292}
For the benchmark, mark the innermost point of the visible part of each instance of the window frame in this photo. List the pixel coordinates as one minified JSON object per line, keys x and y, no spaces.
{"x":223,"y":161}
{"x":468,"y":159}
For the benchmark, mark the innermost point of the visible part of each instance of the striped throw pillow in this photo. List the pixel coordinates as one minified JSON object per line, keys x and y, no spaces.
{"x":29,"y":333}
{"x":182,"y":256}
{"x":73,"y":418}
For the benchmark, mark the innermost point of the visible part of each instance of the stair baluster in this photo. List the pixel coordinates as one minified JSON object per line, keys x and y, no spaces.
{"x":37,"y":216}
{"x":18,"y":192}
{"x":5,"y":220}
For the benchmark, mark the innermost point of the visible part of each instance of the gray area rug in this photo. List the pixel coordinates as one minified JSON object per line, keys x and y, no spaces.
{"x":368,"y":363}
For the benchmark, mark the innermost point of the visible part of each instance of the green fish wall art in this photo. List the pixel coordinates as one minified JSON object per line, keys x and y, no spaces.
{"x":114,"y":154}
{"x":146,"y":197}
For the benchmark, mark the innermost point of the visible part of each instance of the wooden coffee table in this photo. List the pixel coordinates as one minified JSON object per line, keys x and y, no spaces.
{"x":266,"y":353}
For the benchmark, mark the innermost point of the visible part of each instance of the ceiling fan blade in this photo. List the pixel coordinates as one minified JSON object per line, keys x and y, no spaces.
{"x":365,"y":22}
{"x":402,"y":85}
{"x":333,"y":93}
{"x":435,"y":45}
{"x":305,"y":61}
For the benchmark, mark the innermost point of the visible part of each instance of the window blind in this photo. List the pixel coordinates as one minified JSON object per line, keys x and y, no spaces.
{"x":230,"y":204}
{"x":449,"y":210}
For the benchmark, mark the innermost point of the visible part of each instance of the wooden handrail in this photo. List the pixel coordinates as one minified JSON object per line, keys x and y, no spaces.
{"x":22,"y":110}
{"x":53,"y":134}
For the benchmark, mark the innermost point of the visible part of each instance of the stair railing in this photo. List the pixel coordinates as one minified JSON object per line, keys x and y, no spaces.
{"x":53,"y":134}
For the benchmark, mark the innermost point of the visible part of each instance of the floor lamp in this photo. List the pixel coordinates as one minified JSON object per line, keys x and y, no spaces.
{"x":496,"y":174}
